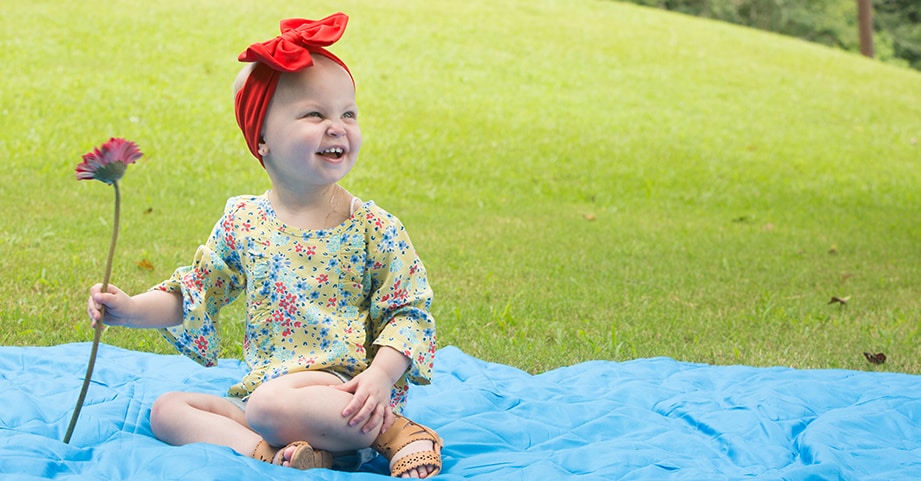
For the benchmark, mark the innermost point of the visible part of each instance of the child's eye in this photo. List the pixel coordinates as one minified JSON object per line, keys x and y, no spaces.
{"x":314,"y":114}
{"x":350,"y":115}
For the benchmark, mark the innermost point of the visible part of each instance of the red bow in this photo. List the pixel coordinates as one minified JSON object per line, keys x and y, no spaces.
{"x":290,"y":51}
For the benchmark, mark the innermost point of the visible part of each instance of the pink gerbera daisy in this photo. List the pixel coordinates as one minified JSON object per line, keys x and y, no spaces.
{"x":109,"y":161}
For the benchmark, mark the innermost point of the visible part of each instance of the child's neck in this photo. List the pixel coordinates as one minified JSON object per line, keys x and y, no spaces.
{"x":319,"y":210}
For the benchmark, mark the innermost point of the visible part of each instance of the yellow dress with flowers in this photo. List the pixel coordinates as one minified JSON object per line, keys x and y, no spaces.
{"x":315,"y":299}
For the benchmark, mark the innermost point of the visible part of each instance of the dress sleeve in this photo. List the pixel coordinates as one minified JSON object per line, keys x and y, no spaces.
{"x":213,"y":280}
{"x":401,"y":299}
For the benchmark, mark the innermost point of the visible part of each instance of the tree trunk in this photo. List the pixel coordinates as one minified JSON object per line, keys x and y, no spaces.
{"x":865,"y":25}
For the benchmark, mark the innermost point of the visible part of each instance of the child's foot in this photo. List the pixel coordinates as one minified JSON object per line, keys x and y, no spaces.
{"x":423,"y":471}
{"x":414,"y":450}
{"x":299,"y":455}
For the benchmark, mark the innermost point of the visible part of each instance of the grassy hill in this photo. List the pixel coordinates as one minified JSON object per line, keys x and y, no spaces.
{"x":584,"y":179}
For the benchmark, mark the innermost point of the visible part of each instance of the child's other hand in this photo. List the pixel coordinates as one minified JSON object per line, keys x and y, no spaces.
{"x":116,"y":302}
{"x":370,"y":406}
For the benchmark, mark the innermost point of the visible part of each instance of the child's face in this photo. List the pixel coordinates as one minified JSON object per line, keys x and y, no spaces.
{"x":310,"y":134}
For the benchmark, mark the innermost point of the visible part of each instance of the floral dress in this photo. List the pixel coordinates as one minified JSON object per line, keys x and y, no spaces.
{"x":315,"y":299}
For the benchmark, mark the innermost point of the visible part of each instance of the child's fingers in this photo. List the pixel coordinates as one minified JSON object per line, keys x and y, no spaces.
{"x":374,"y":420}
{"x":98,"y":299}
{"x":366,"y":408}
{"x":369,"y":416}
{"x":355,"y":404}
{"x":349,"y":386}
{"x":111,"y":291}
{"x":94,"y":308}
{"x":355,"y":410}
{"x":363,"y":410}
{"x":389,"y":417}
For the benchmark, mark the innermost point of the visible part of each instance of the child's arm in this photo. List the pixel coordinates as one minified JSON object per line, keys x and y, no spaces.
{"x":371,"y":403}
{"x":151,"y":309}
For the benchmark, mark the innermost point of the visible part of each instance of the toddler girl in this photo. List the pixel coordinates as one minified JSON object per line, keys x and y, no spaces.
{"x":337,"y":301}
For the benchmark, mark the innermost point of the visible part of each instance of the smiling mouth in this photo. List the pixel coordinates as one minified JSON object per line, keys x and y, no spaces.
{"x":333,"y":152}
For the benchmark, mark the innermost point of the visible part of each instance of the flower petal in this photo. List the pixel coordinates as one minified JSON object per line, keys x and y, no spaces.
{"x":108,"y":162}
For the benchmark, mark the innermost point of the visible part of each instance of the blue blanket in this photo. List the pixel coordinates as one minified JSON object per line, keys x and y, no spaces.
{"x":649,"y":419}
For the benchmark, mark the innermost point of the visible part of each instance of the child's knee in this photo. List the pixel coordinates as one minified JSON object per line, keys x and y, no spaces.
{"x":164,"y":410}
{"x":263,"y":411}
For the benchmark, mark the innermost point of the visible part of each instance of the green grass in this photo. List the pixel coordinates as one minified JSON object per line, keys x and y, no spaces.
{"x":584,"y":180}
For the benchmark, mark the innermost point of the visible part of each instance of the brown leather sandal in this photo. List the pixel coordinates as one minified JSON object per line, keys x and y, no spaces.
{"x":402,"y":433}
{"x":304,"y":457}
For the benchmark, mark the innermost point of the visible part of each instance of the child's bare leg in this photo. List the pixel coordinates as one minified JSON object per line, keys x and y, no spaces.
{"x":296,"y":407}
{"x":181,"y":418}
{"x":303,"y":406}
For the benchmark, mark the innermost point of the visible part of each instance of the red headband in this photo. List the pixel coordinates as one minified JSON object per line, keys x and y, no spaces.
{"x":288,"y":52}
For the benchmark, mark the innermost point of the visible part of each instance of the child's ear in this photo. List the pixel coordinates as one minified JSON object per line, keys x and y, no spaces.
{"x":262,"y":148}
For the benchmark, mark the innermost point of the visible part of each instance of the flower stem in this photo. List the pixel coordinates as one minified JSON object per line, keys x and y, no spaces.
{"x":99,"y":327}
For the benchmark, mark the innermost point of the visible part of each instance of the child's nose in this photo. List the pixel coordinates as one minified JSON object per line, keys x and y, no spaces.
{"x":335,"y":129}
